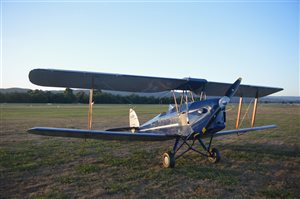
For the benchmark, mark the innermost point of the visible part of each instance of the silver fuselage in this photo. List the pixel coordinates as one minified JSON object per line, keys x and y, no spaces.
{"x":190,"y":118}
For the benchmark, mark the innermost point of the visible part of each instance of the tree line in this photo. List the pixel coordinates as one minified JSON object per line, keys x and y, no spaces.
{"x":68,"y":96}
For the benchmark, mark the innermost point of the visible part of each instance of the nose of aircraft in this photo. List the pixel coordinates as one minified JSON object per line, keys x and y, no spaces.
{"x":224,"y":101}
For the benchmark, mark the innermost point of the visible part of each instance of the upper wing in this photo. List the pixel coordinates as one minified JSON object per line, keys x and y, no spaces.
{"x":219,"y":89}
{"x":244,"y":130}
{"x":131,"y":83}
{"x":104,"y":135}
{"x":107,"y":81}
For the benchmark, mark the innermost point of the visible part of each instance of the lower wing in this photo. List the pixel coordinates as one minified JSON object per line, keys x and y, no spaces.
{"x":115,"y":135}
{"x":104,"y":135}
{"x":245,"y":130}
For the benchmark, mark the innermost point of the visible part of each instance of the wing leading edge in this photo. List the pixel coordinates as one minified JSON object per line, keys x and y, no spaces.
{"x":94,"y":134}
{"x":143,"y":84}
{"x":244,"y":130}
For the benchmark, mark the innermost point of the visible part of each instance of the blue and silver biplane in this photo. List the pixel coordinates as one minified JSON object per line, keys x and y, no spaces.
{"x":187,"y":121}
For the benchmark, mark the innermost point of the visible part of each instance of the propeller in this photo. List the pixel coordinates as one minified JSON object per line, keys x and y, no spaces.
{"x":223,"y":102}
{"x":233,"y":88}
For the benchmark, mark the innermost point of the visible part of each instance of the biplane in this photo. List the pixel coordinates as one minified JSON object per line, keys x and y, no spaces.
{"x":195,"y":119}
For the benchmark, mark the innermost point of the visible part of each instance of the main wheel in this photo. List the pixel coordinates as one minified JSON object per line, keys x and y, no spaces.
{"x":214,"y":156}
{"x":168,"y":160}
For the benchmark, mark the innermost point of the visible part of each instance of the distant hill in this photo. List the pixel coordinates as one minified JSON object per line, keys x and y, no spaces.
{"x":268,"y":99}
{"x":14,"y":90}
{"x":281,"y":99}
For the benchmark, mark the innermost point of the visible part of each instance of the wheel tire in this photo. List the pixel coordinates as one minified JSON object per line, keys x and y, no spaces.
{"x":168,"y":160}
{"x":214,"y":156}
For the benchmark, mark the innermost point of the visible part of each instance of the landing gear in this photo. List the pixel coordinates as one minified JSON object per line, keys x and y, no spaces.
{"x":214,"y":156}
{"x":168,"y":160}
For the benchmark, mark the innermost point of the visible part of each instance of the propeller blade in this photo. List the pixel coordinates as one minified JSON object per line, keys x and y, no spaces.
{"x":233,"y":88}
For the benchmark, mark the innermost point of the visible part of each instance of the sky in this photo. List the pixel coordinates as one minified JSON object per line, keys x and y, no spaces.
{"x":215,"y":40}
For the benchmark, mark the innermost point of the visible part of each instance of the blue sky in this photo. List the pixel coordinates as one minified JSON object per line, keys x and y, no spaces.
{"x":218,"y":41}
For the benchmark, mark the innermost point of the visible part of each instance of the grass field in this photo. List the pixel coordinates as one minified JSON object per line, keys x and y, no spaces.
{"x":263,"y":164}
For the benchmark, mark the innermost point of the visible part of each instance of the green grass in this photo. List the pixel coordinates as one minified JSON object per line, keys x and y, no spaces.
{"x":259,"y":164}
{"x":87,"y":168}
{"x":277,"y":193}
{"x":68,"y":179}
{"x":52,"y":195}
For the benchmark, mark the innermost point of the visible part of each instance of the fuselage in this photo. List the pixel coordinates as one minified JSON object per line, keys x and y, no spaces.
{"x":190,"y":118}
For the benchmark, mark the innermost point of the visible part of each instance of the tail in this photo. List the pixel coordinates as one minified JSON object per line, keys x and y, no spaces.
{"x":133,"y":119}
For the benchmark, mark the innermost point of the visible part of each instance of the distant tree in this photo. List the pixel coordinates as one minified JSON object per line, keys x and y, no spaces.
{"x":59,"y":98}
{"x":82,"y":97}
{"x":37,"y":96}
{"x":2,"y":98}
{"x":50,"y":97}
{"x":69,"y":96}
{"x":16,"y":98}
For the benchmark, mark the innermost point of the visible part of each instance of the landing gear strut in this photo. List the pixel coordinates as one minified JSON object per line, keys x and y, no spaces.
{"x":169,"y":158}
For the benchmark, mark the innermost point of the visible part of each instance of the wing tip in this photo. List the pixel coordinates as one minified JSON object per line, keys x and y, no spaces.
{"x":32,"y":131}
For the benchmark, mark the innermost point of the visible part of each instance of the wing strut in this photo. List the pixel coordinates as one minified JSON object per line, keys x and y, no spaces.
{"x":237,"y":125}
{"x":254,"y":112}
{"x":90,"y":114}
{"x":175,"y":101}
{"x":202,"y":95}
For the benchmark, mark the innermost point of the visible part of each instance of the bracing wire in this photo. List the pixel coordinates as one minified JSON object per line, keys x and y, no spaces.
{"x":246,"y":113}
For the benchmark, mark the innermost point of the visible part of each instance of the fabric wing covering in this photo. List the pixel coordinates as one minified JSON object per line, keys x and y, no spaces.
{"x":142,"y":84}
{"x":137,"y":136}
{"x":95,"y":134}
